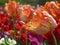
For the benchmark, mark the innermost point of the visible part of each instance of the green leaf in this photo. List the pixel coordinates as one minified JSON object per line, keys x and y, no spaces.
{"x":6,"y":40}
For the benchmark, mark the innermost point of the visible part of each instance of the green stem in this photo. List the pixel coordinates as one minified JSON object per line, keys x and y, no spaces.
{"x":26,"y":38}
{"x":14,"y":24}
{"x":27,"y":43}
{"x":6,"y":40}
{"x":54,"y":38}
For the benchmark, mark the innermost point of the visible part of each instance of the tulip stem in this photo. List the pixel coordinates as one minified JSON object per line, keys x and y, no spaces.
{"x":26,"y":38}
{"x":27,"y":42}
{"x":54,"y":38}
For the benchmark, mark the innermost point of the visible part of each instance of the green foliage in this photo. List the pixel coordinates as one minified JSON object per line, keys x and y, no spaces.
{"x":2,"y":2}
{"x":6,"y":40}
{"x":32,"y":2}
{"x":59,"y":0}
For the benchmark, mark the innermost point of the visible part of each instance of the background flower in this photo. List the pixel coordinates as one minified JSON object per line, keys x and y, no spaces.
{"x":53,"y":8}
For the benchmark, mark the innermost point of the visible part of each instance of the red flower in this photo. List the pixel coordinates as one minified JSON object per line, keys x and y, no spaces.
{"x":24,"y":35}
{"x":18,"y":27}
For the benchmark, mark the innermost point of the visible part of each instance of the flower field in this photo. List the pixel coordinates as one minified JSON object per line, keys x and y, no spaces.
{"x":30,"y":25}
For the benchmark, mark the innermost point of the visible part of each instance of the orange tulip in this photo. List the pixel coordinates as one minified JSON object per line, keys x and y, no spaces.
{"x":41,"y":23}
{"x":26,"y":13}
{"x":12,"y":8}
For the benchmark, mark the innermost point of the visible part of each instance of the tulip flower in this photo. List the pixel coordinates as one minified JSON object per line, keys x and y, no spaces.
{"x":41,"y":23}
{"x":53,"y":8}
{"x":29,"y":24}
{"x":26,"y":12}
{"x":12,"y":8}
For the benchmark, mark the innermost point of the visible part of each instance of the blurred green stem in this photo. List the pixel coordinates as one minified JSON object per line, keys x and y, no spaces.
{"x":54,"y":38}
{"x":27,"y":41}
{"x":26,"y":38}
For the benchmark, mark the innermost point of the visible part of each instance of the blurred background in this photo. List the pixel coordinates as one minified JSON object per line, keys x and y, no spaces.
{"x":32,"y":2}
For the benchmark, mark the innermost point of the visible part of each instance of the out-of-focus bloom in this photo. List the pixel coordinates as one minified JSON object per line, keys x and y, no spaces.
{"x":5,"y":24}
{"x":24,"y":35}
{"x":11,"y":42}
{"x":3,"y":20}
{"x":18,"y":35}
{"x":2,"y":35}
{"x":12,"y":8}
{"x":53,"y":8}
{"x":7,"y":34}
{"x":26,"y":12}
{"x":18,"y":27}
{"x":35,"y":39}
{"x":11,"y":32}
{"x":41,"y":23}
